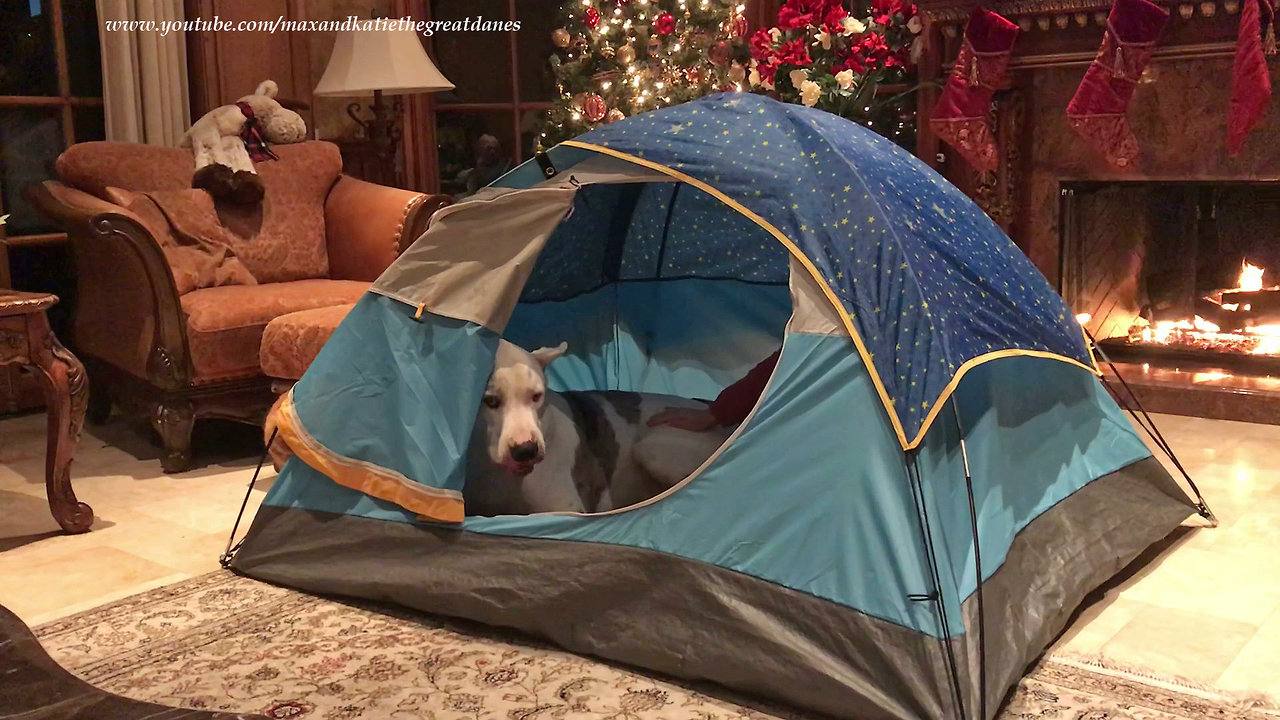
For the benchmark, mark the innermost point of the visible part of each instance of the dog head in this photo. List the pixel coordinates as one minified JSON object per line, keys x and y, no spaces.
{"x":511,"y":412}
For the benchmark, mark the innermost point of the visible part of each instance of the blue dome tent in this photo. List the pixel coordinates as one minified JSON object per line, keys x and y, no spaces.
{"x":931,"y":482}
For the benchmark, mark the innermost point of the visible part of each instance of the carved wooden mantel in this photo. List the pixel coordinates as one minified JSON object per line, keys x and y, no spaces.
{"x":1179,"y":110}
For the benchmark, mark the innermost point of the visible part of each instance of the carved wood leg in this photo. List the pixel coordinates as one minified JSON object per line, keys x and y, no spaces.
{"x":173,"y":420}
{"x":66,"y":395}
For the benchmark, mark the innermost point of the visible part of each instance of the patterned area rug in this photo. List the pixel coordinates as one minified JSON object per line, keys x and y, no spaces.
{"x":222,"y":642}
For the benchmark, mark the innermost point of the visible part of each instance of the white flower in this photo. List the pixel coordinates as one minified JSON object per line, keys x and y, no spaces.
{"x":853,"y":26}
{"x":754,"y":77}
{"x":798,"y":78}
{"x":824,"y":39}
{"x":3,"y":219}
{"x":914,"y":24}
{"x":917,"y":49}
{"x":809,"y":93}
{"x":845,"y":78}
{"x":775,"y":34}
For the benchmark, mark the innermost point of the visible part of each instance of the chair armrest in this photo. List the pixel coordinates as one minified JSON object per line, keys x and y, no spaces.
{"x":127,"y":310}
{"x":368,"y":225}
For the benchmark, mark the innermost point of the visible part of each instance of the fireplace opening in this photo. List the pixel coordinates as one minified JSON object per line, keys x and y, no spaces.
{"x":1176,"y":274}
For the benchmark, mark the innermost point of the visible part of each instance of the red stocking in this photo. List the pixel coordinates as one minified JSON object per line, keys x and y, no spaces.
{"x":1098,"y":109}
{"x":961,"y":117}
{"x":1250,"y":81}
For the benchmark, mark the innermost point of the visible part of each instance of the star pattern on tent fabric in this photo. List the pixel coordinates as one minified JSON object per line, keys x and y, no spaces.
{"x":926,"y":278}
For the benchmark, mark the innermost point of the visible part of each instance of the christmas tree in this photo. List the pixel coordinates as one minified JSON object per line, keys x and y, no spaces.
{"x":616,"y":58}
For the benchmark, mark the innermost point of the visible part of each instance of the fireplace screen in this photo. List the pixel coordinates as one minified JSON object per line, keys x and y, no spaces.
{"x":1176,"y":270}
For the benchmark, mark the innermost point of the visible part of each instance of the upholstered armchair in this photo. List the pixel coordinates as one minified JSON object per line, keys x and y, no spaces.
{"x":174,"y":291}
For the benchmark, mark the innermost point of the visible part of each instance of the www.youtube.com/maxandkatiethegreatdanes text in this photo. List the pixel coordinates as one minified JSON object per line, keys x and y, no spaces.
{"x":280,"y":24}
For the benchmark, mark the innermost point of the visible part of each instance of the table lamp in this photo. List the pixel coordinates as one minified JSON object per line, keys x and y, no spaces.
{"x":390,"y":61}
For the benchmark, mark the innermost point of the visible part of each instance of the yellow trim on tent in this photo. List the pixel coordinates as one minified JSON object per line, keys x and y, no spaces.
{"x":835,"y":301}
{"x":431,"y":503}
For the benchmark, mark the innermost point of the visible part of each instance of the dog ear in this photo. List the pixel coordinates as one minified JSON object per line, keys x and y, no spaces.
{"x":545,"y":356}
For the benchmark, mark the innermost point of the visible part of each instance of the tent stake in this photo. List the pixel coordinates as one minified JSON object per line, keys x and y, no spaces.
{"x":1150,"y":427}
{"x":225,"y":558}
{"x":926,"y":535}
{"x":977,"y":567}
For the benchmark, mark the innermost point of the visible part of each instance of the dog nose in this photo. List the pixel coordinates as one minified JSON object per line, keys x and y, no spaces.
{"x":525,"y":451}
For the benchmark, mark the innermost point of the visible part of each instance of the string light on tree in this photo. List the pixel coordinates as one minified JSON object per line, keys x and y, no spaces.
{"x":639,"y":55}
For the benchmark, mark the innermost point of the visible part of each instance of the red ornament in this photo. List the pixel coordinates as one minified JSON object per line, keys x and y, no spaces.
{"x":664,"y":24}
{"x":695,"y":74}
{"x":594,"y":107}
{"x":591,"y":17}
{"x":737,"y":25}
{"x":719,"y":54}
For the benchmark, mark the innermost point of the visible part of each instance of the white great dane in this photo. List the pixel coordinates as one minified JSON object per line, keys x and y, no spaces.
{"x":533,"y":450}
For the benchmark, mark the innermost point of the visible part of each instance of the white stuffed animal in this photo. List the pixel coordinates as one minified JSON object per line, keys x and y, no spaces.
{"x":228,"y":139}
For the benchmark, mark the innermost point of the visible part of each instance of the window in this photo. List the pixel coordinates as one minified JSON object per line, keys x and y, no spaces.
{"x":50,"y":97}
{"x":488,"y":123}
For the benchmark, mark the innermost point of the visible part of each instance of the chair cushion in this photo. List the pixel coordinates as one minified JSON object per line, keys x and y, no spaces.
{"x":225,"y":324}
{"x":291,"y":342}
{"x":280,"y":240}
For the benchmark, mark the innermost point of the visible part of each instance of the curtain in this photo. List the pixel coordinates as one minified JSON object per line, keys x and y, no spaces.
{"x":144,"y":73}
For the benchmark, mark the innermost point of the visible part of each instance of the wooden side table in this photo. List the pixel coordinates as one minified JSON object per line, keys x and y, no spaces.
{"x":26,"y":340}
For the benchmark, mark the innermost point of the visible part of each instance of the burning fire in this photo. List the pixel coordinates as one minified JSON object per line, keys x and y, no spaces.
{"x":1199,"y":333}
{"x":1250,"y":277}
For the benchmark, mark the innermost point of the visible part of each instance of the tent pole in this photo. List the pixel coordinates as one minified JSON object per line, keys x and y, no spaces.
{"x":926,"y":536}
{"x":225,"y":558}
{"x":977,"y":566}
{"x":1149,"y":425}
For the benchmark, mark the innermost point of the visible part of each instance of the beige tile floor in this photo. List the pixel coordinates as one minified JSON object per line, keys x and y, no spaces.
{"x":1203,"y":605}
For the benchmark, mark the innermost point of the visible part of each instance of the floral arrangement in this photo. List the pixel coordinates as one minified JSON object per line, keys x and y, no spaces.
{"x":820,"y":55}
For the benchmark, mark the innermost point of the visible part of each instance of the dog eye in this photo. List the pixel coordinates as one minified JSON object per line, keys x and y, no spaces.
{"x":492,"y":401}
{"x":537,"y":397}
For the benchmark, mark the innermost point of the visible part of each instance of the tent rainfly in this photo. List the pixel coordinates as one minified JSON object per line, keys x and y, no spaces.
{"x":931,"y":482}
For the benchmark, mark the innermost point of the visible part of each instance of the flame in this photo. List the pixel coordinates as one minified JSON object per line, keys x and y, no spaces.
{"x":1201,"y":333}
{"x":1269,"y":339}
{"x":1250,"y":277}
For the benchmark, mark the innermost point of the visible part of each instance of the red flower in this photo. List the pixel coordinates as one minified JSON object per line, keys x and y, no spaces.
{"x":789,"y":18}
{"x":874,"y":50}
{"x":852,"y":62}
{"x":768,"y":71}
{"x":831,"y":22}
{"x":761,"y":45}
{"x":882,"y":11}
{"x":794,"y":53}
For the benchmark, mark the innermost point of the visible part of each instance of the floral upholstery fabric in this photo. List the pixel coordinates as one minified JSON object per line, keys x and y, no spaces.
{"x":194,"y":264}
{"x":291,"y":342}
{"x":283,"y":239}
{"x":225,"y":324}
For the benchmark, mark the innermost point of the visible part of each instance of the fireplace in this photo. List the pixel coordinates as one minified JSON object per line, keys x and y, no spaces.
{"x":1146,"y":248}
{"x":1179,"y":282}
{"x":1176,"y":272}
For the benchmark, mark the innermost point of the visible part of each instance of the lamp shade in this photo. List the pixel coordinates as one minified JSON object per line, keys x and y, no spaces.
{"x":391,"y":60}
